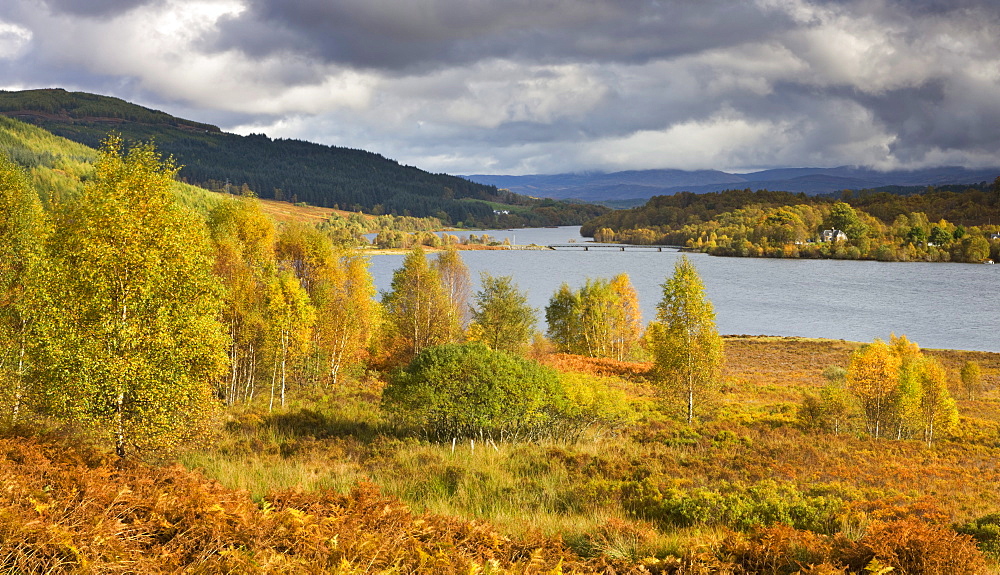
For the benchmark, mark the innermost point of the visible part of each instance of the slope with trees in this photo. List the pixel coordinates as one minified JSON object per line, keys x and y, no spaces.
{"x":758,"y":482}
{"x":289,"y":170}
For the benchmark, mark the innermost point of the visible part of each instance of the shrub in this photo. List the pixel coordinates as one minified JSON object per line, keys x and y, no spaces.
{"x":592,"y":401}
{"x":738,"y":507}
{"x":468,"y":390}
{"x":915,"y":547}
{"x":986,"y":532}
{"x":779,"y":549}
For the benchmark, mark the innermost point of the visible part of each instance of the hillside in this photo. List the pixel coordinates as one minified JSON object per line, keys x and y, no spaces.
{"x":290,"y":170}
{"x":633,"y":187}
{"x":59,"y":167}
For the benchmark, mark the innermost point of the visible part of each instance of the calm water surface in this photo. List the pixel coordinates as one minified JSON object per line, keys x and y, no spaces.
{"x":949,"y":306}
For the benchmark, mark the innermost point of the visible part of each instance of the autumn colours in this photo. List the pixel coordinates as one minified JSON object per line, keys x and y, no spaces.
{"x":130,"y":316}
{"x":123,"y":310}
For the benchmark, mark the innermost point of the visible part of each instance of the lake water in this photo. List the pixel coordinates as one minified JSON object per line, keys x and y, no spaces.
{"x":943,"y":306}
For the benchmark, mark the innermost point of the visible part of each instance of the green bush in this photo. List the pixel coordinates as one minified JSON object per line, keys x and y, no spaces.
{"x":593,"y":402}
{"x":735,"y":506}
{"x":986,"y":532}
{"x":470,"y":391}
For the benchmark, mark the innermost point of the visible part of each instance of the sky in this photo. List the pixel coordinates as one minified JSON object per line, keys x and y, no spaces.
{"x":545,"y":86}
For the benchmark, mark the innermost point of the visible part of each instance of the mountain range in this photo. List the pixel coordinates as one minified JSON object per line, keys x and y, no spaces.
{"x":640,"y":185}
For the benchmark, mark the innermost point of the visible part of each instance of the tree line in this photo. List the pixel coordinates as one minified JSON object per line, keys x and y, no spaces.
{"x":123,"y":309}
{"x":881,"y":226}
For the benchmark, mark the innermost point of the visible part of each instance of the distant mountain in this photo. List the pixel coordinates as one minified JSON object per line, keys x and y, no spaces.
{"x":640,"y":185}
{"x":291,"y":170}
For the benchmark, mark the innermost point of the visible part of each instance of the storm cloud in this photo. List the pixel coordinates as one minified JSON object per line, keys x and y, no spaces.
{"x":545,"y":86}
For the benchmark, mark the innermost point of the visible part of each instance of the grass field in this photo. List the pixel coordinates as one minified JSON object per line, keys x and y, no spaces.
{"x":747,"y":489}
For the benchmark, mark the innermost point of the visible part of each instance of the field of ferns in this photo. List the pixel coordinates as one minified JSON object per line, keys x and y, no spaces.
{"x":326,"y":486}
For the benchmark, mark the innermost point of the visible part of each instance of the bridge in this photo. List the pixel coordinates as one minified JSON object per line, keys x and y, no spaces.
{"x":620,"y":247}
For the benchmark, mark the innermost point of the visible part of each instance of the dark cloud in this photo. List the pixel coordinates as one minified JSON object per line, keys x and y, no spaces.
{"x":387,"y":34}
{"x":96,"y":8}
{"x":545,"y":85}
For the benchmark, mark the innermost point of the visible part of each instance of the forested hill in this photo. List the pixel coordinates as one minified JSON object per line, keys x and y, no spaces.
{"x":290,"y":170}
{"x":968,"y":205}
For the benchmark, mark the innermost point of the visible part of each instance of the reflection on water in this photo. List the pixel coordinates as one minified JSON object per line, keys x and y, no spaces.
{"x":936,"y":305}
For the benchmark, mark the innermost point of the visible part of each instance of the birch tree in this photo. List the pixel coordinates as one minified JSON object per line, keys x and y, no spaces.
{"x":244,"y":239}
{"x":601,"y":319}
{"x":23,"y":229}
{"x":937,"y":407}
{"x":130,"y":336}
{"x":626,"y":321}
{"x":454,"y":275}
{"x":686,"y":346}
{"x":972,"y":380}
{"x":873,"y":378}
{"x":502,"y":318}
{"x":418,"y":310}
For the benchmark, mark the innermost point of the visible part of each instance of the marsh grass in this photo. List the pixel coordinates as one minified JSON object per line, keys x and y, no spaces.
{"x":656,"y":489}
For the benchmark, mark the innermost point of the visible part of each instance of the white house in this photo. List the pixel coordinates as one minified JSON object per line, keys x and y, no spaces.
{"x":833,"y":236}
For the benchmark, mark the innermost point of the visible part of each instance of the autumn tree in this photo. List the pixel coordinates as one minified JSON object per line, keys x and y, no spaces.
{"x":626,"y":321}
{"x":502,"y":318}
{"x":348,"y":315}
{"x":454,"y":275}
{"x":417,"y":308}
{"x":897,"y":386}
{"x":601,"y":319}
{"x":972,"y":379}
{"x":244,"y":239}
{"x":904,"y":410}
{"x":686,"y":346}
{"x":130,"y":335}
{"x":341,"y":291}
{"x":562,"y":315}
{"x":597,"y":310}
{"x":23,"y":230}
{"x":937,"y":408}
{"x":292,"y":317}
{"x":873,"y":378}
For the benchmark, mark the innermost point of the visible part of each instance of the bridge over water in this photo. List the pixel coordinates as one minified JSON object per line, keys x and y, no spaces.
{"x":620,"y":247}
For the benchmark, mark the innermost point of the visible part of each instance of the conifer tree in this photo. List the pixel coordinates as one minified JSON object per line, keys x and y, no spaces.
{"x":686,"y":346}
